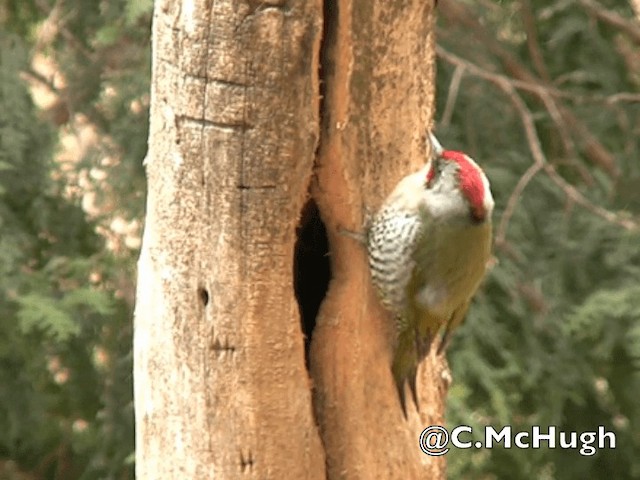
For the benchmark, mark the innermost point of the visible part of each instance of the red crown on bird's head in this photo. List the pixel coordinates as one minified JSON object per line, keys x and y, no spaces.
{"x":470,"y":178}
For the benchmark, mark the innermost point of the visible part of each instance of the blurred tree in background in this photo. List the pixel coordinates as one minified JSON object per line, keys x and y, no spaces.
{"x":71,"y":203}
{"x":554,"y":337}
{"x":541,"y":93}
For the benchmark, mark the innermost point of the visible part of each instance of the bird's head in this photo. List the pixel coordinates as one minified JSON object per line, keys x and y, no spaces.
{"x":456,"y":187}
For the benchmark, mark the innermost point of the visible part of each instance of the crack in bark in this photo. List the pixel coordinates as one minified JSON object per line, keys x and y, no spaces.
{"x":242,"y":186}
{"x":325,"y":69}
{"x":223,"y":347}
{"x":246,"y":461}
{"x":329,"y":32}
{"x":203,"y":122}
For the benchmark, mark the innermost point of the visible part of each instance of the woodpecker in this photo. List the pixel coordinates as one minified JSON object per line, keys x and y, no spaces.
{"x":428,"y":248}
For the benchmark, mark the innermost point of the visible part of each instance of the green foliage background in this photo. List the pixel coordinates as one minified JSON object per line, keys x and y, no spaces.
{"x":552,"y":339}
{"x":66,"y":409}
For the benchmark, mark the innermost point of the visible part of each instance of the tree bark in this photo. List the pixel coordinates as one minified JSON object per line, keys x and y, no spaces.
{"x":378,"y":62}
{"x":237,"y":131}
{"x":221,"y":389}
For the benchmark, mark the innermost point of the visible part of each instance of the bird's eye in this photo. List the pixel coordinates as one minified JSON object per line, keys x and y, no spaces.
{"x":433,"y":173}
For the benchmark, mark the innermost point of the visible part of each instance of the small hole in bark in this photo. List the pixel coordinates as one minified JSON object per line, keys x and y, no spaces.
{"x":311,"y":269}
{"x":204,"y":296}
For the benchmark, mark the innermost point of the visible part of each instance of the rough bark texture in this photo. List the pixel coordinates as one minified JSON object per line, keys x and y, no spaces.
{"x":221,"y":389}
{"x":378,"y":63}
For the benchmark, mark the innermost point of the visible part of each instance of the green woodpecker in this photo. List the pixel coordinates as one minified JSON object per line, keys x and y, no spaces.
{"x":428,"y":249}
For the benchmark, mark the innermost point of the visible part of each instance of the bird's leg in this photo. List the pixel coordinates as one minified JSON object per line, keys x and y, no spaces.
{"x":446,"y":339}
{"x":360,"y":237}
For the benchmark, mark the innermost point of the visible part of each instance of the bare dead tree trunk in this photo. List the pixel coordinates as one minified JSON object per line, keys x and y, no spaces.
{"x":221,"y":388}
{"x":378,"y":59}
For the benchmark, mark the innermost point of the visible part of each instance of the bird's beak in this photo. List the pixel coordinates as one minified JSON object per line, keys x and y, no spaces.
{"x":436,"y":148}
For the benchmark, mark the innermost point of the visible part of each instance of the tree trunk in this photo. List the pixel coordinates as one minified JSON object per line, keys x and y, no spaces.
{"x":221,"y":388}
{"x":379,"y":98}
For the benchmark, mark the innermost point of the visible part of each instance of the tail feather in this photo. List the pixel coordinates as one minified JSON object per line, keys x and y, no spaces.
{"x":411,"y":350}
{"x":403,"y":403}
{"x":453,"y":323}
{"x":412,"y":379}
{"x":400,"y":386}
{"x":404,"y":367}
